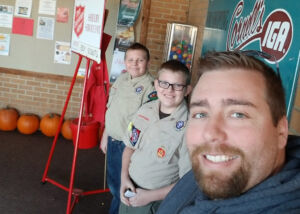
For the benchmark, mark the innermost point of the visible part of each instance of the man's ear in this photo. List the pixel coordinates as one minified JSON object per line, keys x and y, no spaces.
{"x":188,"y":90}
{"x":282,"y":129}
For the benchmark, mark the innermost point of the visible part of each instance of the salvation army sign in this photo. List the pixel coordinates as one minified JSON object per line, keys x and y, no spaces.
{"x":265,"y":25}
{"x":87,"y":28}
{"x":79,"y":20}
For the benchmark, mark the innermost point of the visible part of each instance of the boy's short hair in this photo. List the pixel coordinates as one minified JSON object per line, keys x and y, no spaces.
{"x":139,"y":46}
{"x":176,"y":66}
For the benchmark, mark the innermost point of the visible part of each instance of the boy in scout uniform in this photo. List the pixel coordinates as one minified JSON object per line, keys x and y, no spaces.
{"x":155,"y":156}
{"x":127,"y":94}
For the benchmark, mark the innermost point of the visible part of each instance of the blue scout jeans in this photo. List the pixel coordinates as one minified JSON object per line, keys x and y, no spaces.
{"x":114,"y":153}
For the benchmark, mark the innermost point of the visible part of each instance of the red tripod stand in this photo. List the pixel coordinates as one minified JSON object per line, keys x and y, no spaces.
{"x":75,"y":193}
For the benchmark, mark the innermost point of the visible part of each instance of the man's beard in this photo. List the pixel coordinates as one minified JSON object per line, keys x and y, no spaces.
{"x":215,"y":184}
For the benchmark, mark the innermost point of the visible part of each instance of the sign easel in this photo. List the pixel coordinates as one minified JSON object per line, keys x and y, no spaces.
{"x":88,"y":22}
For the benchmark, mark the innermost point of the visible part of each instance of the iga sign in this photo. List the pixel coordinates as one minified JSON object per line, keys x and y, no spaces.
{"x":265,"y":25}
{"x":88,"y":27}
{"x":274,"y":34}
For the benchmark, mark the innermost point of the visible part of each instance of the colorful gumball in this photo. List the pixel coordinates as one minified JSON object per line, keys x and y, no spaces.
{"x":185,"y":55}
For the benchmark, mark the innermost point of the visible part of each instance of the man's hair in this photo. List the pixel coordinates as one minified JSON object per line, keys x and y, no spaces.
{"x":238,"y":60}
{"x":176,"y":66}
{"x":139,"y":46}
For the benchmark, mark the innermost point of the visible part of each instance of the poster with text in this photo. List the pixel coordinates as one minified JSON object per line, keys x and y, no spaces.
{"x":47,"y":7}
{"x":62,"y":52}
{"x":4,"y":44}
{"x":45,"y":28}
{"x":129,"y":11}
{"x":62,"y":15}
{"x":23,"y":8}
{"x":117,"y":66}
{"x":271,"y":26}
{"x":87,"y":28}
{"x":6,"y":16}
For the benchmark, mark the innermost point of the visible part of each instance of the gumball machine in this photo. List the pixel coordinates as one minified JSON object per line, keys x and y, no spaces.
{"x":180,"y":43}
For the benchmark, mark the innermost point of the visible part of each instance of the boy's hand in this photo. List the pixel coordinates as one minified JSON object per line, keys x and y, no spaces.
{"x":125,"y":185}
{"x":141,"y":198}
{"x":103,"y":143}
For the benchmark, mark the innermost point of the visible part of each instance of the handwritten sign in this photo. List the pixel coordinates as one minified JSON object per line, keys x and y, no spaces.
{"x":87,"y":28}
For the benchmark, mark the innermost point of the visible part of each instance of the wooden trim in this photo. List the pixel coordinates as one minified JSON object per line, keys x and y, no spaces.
{"x":38,"y":75}
{"x":145,"y":20}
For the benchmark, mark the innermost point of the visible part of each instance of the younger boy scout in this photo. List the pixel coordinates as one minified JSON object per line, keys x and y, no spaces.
{"x":155,"y":156}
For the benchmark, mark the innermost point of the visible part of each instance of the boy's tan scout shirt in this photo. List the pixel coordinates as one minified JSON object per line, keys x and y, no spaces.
{"x":125,"y":97}
{"x":160,"y":155}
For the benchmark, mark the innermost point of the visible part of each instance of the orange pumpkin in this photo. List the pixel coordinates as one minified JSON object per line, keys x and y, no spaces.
{"x":28,"y":123}
{"x":49,"y":124}
{"x":8,"y":119}
{"x":66,"y":130}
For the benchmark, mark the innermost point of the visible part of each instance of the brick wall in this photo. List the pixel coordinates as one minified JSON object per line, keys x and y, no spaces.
{"x":39,"y":94}
{"x":162,"y":12}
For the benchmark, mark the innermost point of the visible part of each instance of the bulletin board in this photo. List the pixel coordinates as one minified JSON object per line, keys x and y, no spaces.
{"x":41,"y":52}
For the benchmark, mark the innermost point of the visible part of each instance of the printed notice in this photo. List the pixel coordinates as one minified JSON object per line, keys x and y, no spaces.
{"x":47,"y":7}
{"x":6,"y":15}
{"x":23,"y":8}
{"x":4,"y":44}
{"x":23,"y":26}
{"x":62,"y":15}
{"x":45,"y":28}
{"x":62,"y":53}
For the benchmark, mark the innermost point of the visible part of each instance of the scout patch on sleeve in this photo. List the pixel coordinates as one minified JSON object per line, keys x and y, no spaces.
{"x":139,"y":89}
{"x":179,"y":125}
{"x":135,"y":133}
{"x":152,"y":95}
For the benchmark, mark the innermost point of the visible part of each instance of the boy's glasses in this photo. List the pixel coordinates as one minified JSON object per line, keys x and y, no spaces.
{"x":263,"y":55}
{"x":175,"y":86}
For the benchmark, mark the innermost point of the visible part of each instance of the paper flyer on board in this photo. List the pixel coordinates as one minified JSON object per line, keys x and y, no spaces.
{"x":62,"y":15}
{"x":47,"y":7}
{"x":62,"y":52}
{"x":6,"y":16}
{"x":45,"y":28}
{"x":23,"y":8}
{"x":4,"y":44}
{"x":23,"y":26}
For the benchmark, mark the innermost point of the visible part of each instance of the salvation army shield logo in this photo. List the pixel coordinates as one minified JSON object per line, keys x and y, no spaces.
{"x":79,"y":20}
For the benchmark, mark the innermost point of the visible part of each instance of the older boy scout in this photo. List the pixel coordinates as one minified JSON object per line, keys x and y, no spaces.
{"x":127,"y":94}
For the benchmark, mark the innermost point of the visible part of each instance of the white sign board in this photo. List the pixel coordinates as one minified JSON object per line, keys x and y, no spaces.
{"x":87,"y":28}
